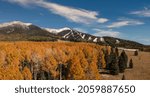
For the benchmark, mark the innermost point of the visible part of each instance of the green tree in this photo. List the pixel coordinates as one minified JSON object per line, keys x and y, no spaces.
{"x":122,"y":64}
{"x":123,"y":59}
{"x":136,"y":53}
{"x":113,"y":65}
{"x":130,"y":63}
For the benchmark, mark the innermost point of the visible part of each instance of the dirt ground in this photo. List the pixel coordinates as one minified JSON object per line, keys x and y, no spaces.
{"x":140,"y":71}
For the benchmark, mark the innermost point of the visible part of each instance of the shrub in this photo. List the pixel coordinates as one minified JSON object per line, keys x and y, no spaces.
{"x":136,"y":53}
{"x":123,"y":77}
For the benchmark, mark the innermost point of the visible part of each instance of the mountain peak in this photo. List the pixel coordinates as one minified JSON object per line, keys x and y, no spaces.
{"x":14,"y":23}
{"x":56,"y":31}
{"x":65,"y":28}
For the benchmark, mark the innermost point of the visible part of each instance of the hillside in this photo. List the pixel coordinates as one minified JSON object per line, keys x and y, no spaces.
{"x":19,"y":31}
{"x":116,"y":42}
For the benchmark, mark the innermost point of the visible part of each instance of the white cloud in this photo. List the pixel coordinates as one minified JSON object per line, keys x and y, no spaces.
{"x":102,"y":20}
{"x":22,"y":2}
{"x":144,"y":13}
{"x":72,"y":14}
{"x":109,"y":32}
{"x":125,"y":22}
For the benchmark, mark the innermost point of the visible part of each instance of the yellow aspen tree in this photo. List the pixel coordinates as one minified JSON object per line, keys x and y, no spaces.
{"x":103,"y":60}
{"x":76,"y":71}
{"x":26,"y":74}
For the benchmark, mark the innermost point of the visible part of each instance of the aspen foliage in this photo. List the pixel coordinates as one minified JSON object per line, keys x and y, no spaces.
{"x":26,"y":74}
{"x":37,"y":60}
{"x":76,"y":71}
{"x":103,"y":62}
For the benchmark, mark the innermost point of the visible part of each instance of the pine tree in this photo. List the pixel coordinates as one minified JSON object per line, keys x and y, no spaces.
{"x":114,"y":68}
{"x":108,"y":60}
{"x":123,"y":77}
{"x":136,"y":53}
{"x":122,"y":64}
{"x":130,"y":63}
{"x":117,"y":52}
{"x":123,"y":59}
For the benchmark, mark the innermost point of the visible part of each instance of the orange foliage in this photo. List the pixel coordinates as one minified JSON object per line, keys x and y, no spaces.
{"x":26,"y":74}
{"x":82,"y":58}
{"x":103,"y":60}
{"x":76,"y":71}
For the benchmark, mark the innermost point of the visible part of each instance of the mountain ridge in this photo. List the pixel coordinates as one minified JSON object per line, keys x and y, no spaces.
{"x":20,"y":31}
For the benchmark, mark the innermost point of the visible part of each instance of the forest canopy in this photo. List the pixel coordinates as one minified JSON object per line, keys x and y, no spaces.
{"x":51,"y":60}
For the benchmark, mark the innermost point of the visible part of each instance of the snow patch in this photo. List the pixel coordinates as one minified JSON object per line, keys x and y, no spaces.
{"x":89,"y":38}
{"x":95,"y":40}
{"x":15,"y":23}
{"x":66,"y":35}
{"x":56,"y":31}
{"x":117,"y":41}
{"x":63,"y":29}
{"x":102,"y":39}
{"x":83,"y":36}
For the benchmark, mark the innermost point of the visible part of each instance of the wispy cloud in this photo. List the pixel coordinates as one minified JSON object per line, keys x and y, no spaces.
{"x":125,"y":22}
{"x":144,"y":13}
{"x":73,"y":14}
{"x":22,"y":2}
{"x":102,"y":20}
{"x":110,"y":32}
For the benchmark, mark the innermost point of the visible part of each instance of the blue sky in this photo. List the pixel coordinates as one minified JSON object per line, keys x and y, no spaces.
{"x":127,"y":19}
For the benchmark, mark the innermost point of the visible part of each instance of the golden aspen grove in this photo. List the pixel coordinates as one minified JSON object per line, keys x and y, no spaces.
{"x":51,"y":60}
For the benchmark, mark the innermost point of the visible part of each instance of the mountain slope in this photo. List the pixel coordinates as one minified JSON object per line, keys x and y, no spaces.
{"x":23,"y":31}
{"x":74,"y":35}
{"x":19,"y":31}
{"x":116,"y":42}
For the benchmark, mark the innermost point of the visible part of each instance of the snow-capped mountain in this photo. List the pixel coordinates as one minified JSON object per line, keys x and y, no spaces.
{"x":15,"y":24}
{"x":56,"y":31}
{"x":74,"y":35}
{"x":18,"y":30}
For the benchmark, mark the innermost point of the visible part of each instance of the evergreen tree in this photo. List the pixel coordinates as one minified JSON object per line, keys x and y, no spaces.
{"x":123,"y":77}
{"x":122,"y":64}
{"x":114,"y":68}
{"x":116,"y":51}
{"x":136,"y":53}
{"x":131,"y":63}
{"x":124,"y":58}
{"x":107,"y":59}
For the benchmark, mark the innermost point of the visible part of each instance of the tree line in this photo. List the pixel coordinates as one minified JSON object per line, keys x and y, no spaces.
{"x":58,"y":60}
